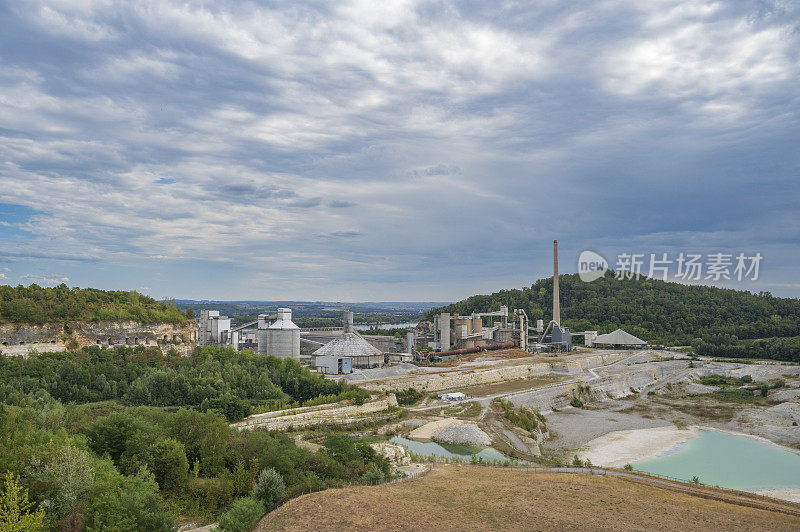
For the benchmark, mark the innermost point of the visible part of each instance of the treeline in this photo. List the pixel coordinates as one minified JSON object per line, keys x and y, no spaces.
{"x":35,"y":304}
{"x":729,"y":346}
{"x":221,"y":379}
{"x":110,"y":467}
{"x":656,"y":311}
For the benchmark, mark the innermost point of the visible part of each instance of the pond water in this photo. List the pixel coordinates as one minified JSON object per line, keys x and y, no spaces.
{"x":729,"y":461}
{"x":445,"y":450}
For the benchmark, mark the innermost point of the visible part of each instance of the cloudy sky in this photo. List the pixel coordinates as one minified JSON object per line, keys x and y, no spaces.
{"x":415,"y":151}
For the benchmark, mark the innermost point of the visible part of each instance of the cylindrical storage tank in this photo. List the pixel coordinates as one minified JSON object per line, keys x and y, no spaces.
{"x":283,"y":336}
{"x":261,"y":338}
{"x":539,"y":325}
{"x":444,"y":327}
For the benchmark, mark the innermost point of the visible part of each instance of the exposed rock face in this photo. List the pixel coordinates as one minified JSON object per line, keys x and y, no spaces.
{"x":55,"y":336}
{"x":463,"y":434}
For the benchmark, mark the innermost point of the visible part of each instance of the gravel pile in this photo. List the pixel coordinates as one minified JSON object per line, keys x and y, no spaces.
{"x":463,"y":434}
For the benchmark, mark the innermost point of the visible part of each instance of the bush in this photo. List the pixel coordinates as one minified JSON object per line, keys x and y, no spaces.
{"x":269,"y":489}
{"x":127,"y":504}
{"x":577,"y":403}
{"x":577,"y":461}
{"x":628,"y":467}
{"x":408,"y":397}
{"x":375,"y":475}
{"x":241,"y":516}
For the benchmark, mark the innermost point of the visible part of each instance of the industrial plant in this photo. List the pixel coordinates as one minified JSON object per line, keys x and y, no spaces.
{"x":342,"y":350}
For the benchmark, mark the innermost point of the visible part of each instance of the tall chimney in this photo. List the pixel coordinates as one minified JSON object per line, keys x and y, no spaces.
{"x":556,"y":303}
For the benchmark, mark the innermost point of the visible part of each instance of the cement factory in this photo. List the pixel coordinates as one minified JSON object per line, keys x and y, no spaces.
{"x":342,"y":350}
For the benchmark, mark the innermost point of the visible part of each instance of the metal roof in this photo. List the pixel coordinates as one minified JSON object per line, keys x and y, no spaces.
{"x":619,"y":337}
{"x":348,"y":345}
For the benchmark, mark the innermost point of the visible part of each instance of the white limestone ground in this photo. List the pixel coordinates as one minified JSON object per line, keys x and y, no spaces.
{"x":616,"y":449}
{"x":426,"y":431}
{"x":786,"y":495}
{"x":463,"y":434}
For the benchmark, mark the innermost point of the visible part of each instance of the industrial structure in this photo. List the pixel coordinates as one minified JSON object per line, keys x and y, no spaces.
{"x":213,"y":328}
{"x":470,"y":333}
{"x":619,"y":339}
{"x":350,"y":345}
{"x":281,"y":338}
{"x":335,"y":350}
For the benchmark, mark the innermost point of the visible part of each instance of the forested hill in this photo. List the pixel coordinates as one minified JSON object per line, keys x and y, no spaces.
{"x":35,"y":304}
{"x":656,"y":311}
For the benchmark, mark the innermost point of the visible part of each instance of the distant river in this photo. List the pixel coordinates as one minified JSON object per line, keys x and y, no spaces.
{"x":387,"y":326}
{"x":729,"y":461}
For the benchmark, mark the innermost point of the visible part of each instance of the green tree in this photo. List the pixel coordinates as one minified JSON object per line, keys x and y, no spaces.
{"x":168,"y":463}
{"x":127,"y":504}
{"x":241,"y":516}
{"x":16,"y":513}
{"x":269,"y":489}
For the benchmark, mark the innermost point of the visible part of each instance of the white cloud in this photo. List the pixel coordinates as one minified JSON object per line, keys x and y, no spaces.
{"x":43,"y":279}
{"x":236,"y":133}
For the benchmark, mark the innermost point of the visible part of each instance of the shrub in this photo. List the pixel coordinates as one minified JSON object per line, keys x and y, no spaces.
{"x":577,"y":461}
{"x":577,"y":403}
{"x":695,"y":480}
{"x":408,"y":397}
{"x":375,"y":475}
{"x":269,"y":489}
{"x":241,"y":516}
{"x":628,"y":467}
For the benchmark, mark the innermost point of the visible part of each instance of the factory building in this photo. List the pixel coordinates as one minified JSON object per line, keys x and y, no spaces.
{"x":333,"y":365}
{"x":213,"y":328}
{"x":350,"y":345}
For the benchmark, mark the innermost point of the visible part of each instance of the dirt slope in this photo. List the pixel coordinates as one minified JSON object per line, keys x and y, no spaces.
{"x":485,"y":498}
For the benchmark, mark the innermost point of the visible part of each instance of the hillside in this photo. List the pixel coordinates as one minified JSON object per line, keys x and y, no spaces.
{"x":35,"y":304}
{"x":656,"y":311}
{"x":489,"y":498}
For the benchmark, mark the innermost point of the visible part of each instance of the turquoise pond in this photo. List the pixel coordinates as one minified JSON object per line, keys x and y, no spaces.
{"x":729,"y":461}
{"x":445,"y":450}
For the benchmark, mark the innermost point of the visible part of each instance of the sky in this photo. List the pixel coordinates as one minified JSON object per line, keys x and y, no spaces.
{"x":392,"y":151}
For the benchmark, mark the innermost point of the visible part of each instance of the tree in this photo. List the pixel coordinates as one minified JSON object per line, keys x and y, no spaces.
{"x":127,"y":504}
{"x":241,"y":516}
{"x":230,"y":406}
{"x":168,"y":463}
{"x":15,"y":508}
{"x":269,"y":489}
{"x":110,"y":434}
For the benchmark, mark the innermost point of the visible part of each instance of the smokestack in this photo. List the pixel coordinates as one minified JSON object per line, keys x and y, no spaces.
{"x":556,"y":303}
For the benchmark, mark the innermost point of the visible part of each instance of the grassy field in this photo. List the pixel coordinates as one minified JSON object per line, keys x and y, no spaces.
{"x":486,"y":498}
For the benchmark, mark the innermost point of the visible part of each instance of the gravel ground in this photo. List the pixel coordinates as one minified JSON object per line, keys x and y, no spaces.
{"x":463,"y":434}
{"x":573,"y":427}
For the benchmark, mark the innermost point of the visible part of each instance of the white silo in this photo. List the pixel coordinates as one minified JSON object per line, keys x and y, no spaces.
{"x":261,"y":338}
{"x":283,"y":336}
